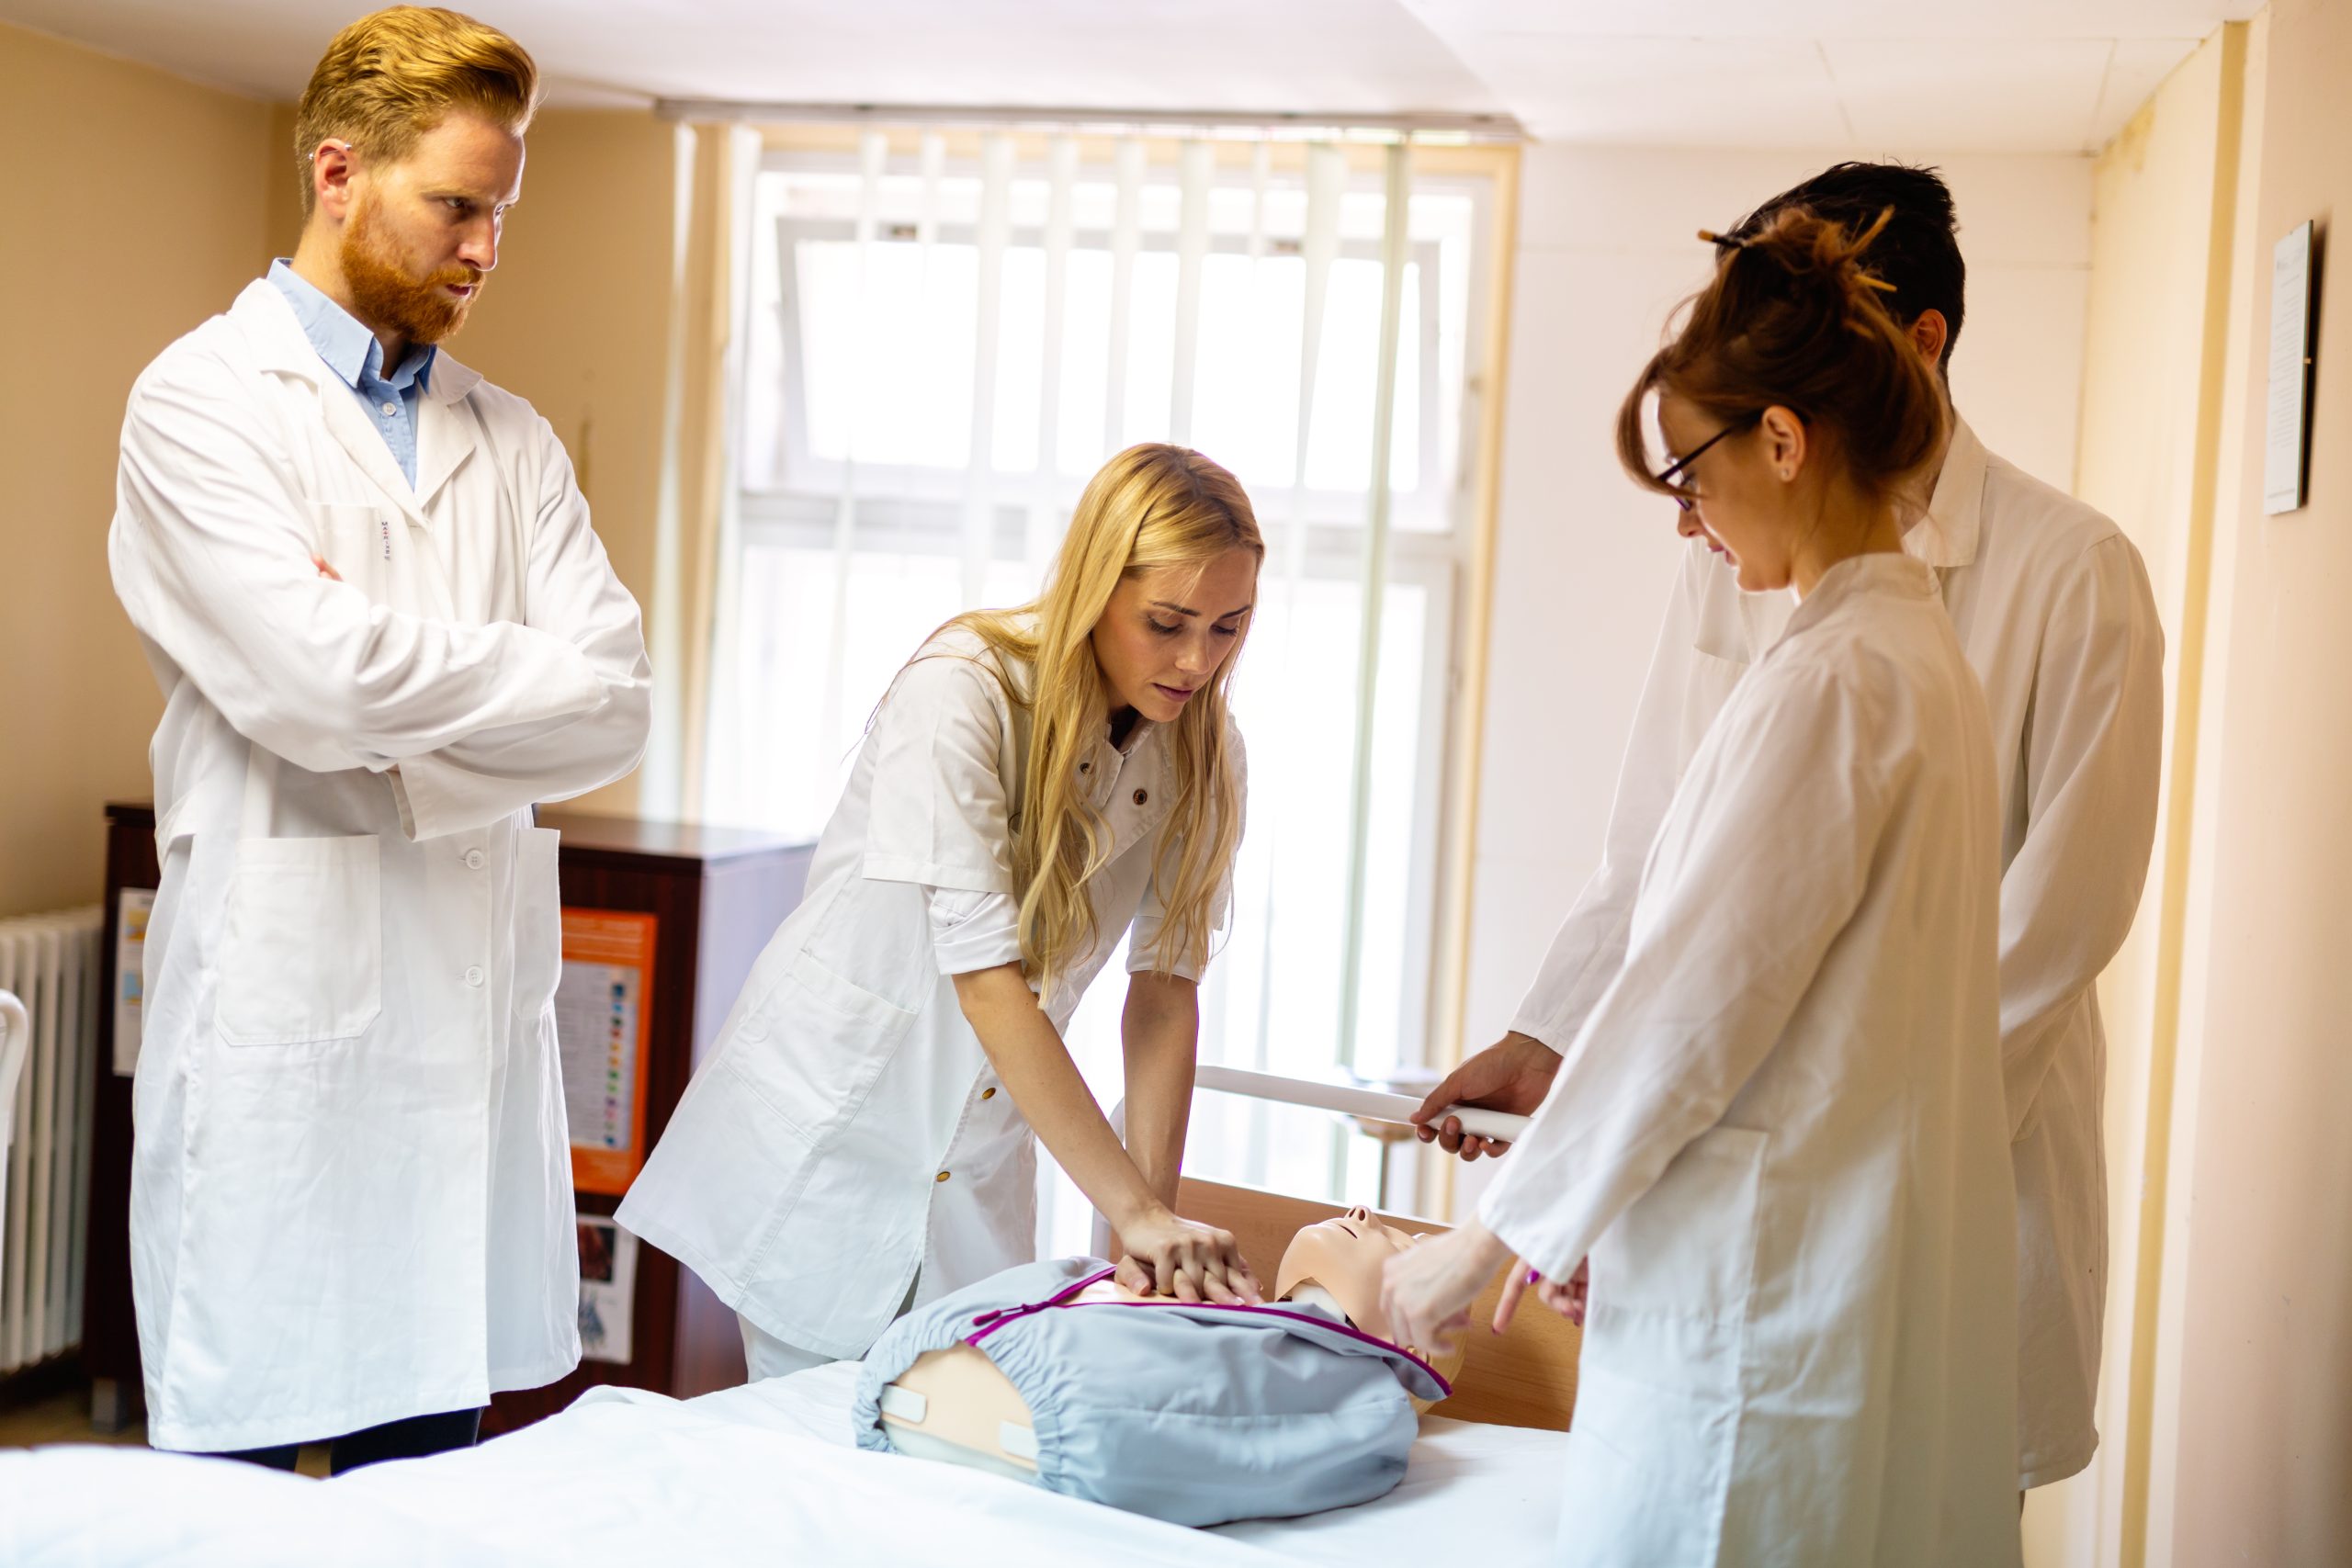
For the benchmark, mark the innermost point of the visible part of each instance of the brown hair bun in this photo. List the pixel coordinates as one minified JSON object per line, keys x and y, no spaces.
{"x":1796,"y":318}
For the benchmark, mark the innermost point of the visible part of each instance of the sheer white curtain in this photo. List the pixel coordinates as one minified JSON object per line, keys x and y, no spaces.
{"x":946,"y":336}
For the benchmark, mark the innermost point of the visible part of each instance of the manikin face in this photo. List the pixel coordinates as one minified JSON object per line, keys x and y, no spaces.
{"x":1165,"y":632}
{"x":1345,"y":1256}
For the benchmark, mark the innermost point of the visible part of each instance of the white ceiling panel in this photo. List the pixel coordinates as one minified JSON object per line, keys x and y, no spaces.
{"x":1356,"y":56}
{"x":1834,"y":18}
{"x":1875,"y":75}
{"x":2018,"y":95}
{"x":1908,"y":76}
{"x":1664,"y":92}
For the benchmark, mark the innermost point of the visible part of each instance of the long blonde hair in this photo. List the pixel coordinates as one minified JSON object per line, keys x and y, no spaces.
{"x":1151,"y":506}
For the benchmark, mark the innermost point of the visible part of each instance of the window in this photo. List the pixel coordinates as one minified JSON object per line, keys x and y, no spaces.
{"x":942,"y":345}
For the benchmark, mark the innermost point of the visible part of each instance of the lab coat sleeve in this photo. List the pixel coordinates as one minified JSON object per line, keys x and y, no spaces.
{"x":571,"y":593}
{"x":1773,"y":870}
{"x":1150,"y":923}
{"x":2092,"y":755}
{"x":1591,"y":946}
{"x":212,"y":555}
{"x":938,"y":811}
{"x":972,"y":931}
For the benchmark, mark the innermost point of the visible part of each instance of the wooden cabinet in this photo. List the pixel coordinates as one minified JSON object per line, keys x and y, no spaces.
{"x":715,"y":896}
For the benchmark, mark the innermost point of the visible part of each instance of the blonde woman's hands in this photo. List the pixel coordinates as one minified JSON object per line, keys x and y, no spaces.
{"x":1167,"y":1255}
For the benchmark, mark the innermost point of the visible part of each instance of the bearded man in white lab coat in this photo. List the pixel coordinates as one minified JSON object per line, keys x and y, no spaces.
{"x":2053,"y":607}
{"x":367,"y":583}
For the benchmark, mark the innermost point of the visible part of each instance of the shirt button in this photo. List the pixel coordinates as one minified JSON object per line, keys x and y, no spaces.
{"x":390,"y":409}
{"x":473,"y":975}
{"x":987,"y":1094}
{"x":474,"y":861}
{"x":1142,"y":795}
{"x":941,"y":1177}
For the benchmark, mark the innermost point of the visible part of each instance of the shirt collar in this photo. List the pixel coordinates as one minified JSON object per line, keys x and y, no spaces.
{"x":349,"y":349}
{"x":1946,"y":537}
{"x":1878,"y":571}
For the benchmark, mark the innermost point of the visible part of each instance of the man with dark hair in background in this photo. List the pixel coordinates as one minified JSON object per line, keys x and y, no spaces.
{"x":2052,"y":605}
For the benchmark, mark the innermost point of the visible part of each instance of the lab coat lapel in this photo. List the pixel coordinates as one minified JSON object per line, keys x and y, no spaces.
{"x":446,"y":429}
{"x":280,"y":347}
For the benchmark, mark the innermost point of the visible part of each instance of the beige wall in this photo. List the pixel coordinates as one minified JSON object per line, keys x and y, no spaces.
{"x":2263,"y":1467}
{"x":134,"y":204}
{"x":2163,"y":271}
{"x":2228,"y":1406}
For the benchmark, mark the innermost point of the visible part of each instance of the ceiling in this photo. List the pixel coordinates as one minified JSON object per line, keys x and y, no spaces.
{"x":1889,"y":76}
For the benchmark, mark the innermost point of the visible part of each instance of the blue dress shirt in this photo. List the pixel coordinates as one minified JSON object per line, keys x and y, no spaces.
{"x":352,"y":352}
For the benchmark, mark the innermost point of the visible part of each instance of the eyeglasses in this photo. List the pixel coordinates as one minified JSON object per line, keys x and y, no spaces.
{"x":1683,"y":464}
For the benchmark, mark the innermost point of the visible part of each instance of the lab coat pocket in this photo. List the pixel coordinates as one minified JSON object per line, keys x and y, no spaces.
{"x":814,"y":1047}
{"x":538,"y":921}
{"x":359,"y":541}
{"x":301,"y":951}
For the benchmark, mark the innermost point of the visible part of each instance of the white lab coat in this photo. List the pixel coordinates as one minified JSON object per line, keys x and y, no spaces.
{"x":1780,"y":1136}
{"x":351,"y":1197}
{"x":2052,"y":606}
{"x":847,"y":1139}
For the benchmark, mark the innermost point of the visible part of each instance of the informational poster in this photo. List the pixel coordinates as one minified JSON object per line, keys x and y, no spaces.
{"x":604,"y":1020}
{"x":2287,"y":416}
{"x":607,"y":1289}
{"x":135,"y":904}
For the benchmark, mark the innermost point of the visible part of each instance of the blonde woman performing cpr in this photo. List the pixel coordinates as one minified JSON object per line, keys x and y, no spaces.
{"x":1036,"y":784}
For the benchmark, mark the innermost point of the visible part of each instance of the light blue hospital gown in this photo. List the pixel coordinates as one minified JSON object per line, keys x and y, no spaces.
{"x":1198,"y":1415}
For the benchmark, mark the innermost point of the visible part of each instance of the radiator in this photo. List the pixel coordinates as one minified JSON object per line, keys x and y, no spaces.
{"x":51,"y":963}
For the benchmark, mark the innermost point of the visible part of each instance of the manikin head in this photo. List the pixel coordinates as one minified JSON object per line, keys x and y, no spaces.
{"x":1345,"y":1255}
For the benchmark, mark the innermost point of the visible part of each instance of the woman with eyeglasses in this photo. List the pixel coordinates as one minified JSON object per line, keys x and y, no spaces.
{"x":1780,"y":1136}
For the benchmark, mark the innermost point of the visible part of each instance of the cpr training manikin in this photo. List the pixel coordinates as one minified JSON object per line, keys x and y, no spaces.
{"x":1193,"y":1413}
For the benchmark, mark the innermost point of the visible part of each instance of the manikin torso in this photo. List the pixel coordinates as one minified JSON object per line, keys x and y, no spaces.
{"x":956,"y":1404}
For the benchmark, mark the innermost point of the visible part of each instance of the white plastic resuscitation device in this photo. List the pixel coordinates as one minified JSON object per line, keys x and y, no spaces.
{"x":1501,"y":1125}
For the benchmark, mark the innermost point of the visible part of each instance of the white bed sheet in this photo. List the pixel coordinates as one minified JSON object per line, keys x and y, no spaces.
{"x":762,"y":1473}
{"x":1500,"y":1484}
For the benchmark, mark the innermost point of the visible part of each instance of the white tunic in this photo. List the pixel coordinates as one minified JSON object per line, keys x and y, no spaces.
{"x":2052,"y":604}
{"x":846,"y":1137}
{"x":351,"y":1195}
{"x":1780,"y":1134}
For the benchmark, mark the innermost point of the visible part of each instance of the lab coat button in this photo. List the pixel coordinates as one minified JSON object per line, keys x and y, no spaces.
{"x":1142,"y":795}
{"x":941,"y":1177}
{"x":988,"y":1094}
{"x":473,"y":975}
{"x":474,"y":861}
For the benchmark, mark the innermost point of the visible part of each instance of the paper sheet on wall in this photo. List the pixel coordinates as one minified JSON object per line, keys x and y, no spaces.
{"x":603,"y":1020}
{"x":607,"y":1289}
{"x":132,"y":907}
{"x":2286,"y":420}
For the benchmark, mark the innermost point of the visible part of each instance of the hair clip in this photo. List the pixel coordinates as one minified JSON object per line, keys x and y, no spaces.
{"x":1722,"y":241}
